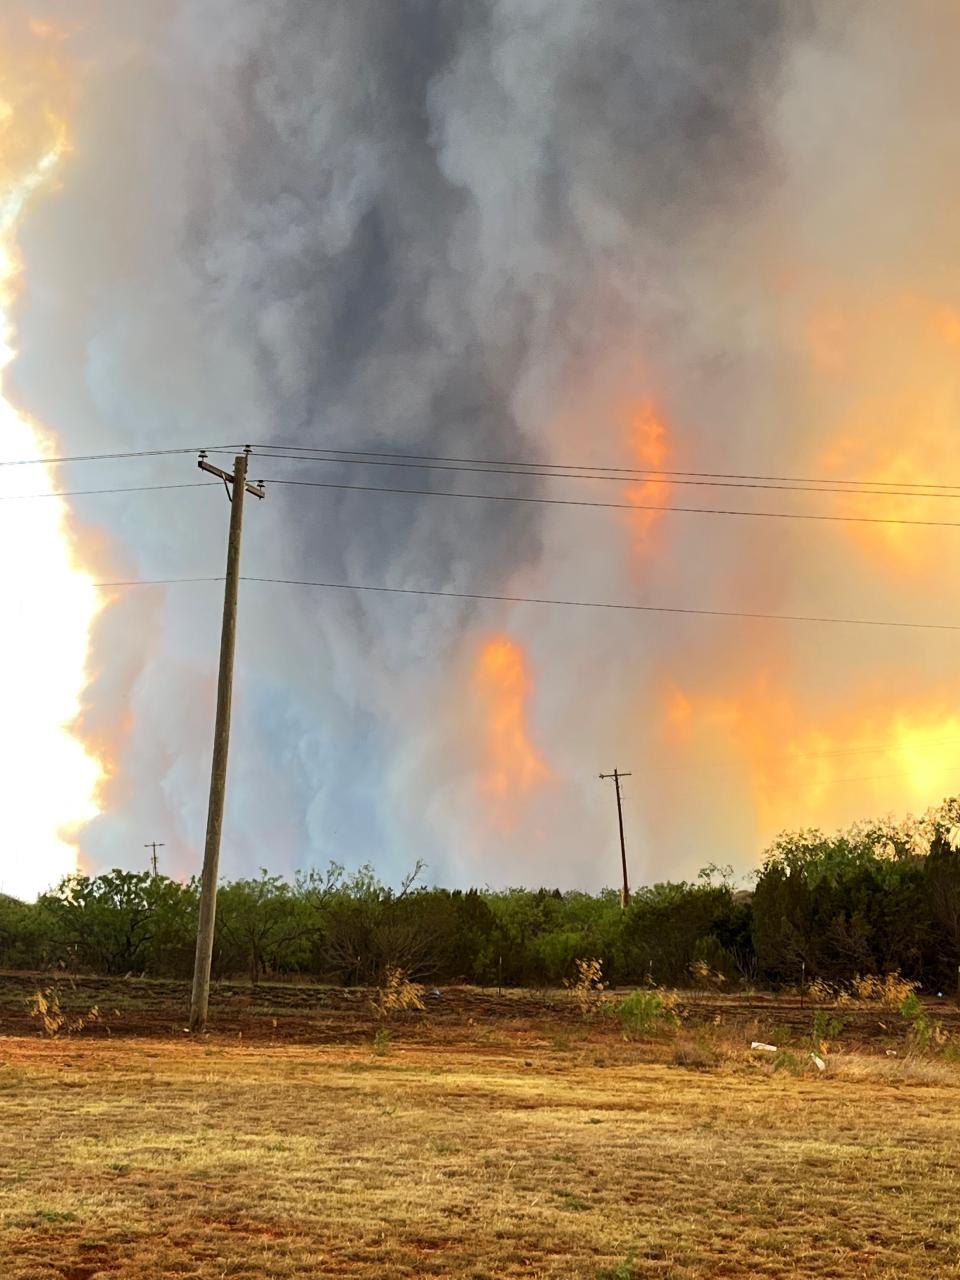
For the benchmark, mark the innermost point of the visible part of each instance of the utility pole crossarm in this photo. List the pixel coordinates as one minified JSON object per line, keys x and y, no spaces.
{"x":616,"y":776}
{"x":154,"y":845}
{"x":257,"y":490}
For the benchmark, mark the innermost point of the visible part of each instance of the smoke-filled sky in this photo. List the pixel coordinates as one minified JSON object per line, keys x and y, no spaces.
{"x":687,"y":235}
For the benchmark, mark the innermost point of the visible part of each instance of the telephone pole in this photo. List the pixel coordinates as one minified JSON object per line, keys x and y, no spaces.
{"x":625,"y":891}
{"x":154,"y":845}
{"x":236,"y":485}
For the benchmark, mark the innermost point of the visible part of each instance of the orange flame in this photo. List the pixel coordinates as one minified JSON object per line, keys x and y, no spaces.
{"x":512,"y":766}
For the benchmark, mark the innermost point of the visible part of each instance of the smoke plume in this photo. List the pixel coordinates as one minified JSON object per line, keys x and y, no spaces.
{"x":641,"y":233}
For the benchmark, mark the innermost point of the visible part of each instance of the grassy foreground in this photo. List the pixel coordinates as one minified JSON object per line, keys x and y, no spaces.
{"x":504,"y":1155}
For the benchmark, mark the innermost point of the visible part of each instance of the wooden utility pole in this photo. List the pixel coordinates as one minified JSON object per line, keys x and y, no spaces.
{"x":616,"y":776}
{"x":236,"y":486}
{"x":154,"y":845}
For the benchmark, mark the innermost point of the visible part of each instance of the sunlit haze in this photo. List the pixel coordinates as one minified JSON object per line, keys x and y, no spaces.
{"x":49,"y":779}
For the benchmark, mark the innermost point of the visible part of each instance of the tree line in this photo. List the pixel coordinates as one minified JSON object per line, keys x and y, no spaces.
{"x":870,"y":900}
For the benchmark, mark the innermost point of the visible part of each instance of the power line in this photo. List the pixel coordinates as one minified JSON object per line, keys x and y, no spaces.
{"x":113,"y":457}
{"x":561,"y":603}
{"x":543,"y":470}
{"x":153,"y":582}
{"x":637,"y":476}
{"x":604,"y":604}
{"x":83,"y":493}
{"x":500,"y":497}
{"x":619,"y":506}
{"x":549,"y":470}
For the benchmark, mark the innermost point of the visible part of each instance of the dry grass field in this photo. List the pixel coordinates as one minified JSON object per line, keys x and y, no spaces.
{"x":478,"y":1148}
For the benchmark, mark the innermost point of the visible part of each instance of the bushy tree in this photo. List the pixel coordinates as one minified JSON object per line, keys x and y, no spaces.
{"x":119,"y":922}
{"x":368,"y":928}
{"x":941,"y":886}
{"x":26,"y":935}
{"x":876,"y":898}
{"x":264,"y":926}
{"x":666,"y":928}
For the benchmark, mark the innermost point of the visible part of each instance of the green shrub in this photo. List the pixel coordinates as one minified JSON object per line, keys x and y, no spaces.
{"x":825,"y":1031}
{"x":925,"y":1034}
{"x":622,"y":1271}
{"x":645,"y":1012}
{"x":787,"y":1061}
{"x":911,"y":1007}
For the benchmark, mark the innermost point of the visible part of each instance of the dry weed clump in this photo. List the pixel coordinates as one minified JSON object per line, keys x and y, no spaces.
{"x":45,"y":1005}
{"x":889,"y":991}
{"x":706,"y":978}
{"x":925,"y":1034}
{"x":820,"y":992}
{"x":698,"y":1053}
{"x":588,"y":986}
{"x":908,"y":1070}
{"x":397,"y":993}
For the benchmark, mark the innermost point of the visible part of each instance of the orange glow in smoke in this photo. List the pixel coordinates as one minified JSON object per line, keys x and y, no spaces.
{"x":828,"y":338}
{"x":649,"y":448}
{"x":800,"y":765}
{"x":890,"y":401}
{"x":512,"y":768}
{"x":881,"y":388}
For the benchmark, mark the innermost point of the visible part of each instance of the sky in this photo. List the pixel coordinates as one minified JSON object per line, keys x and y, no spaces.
{"x":710,"y":240}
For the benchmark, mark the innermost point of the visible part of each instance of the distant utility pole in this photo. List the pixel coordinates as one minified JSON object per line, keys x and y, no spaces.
{"x":236,"y":486}
{"x":616,"y":776}
{"x":154,"y":845}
